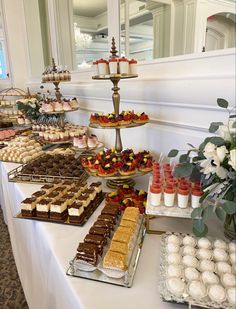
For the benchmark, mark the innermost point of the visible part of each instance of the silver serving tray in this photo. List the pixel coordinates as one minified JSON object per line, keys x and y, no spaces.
{"x":185,"y":298}
{"x":98,"y":275}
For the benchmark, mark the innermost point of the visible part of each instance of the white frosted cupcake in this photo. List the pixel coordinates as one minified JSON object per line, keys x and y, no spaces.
{"x":207,"y":265}
{"x":188,"y":250}
{"x":204,"y":243}
{"x":220,"y":255}
{"x":223,"y":267}
{"x":220,"y":244}
{"x":228,"y":280}
{"x":204,"y":254}
{"x":232,"y":257}
{"x":232,"y":247}
{"x":190,"y":261}
{"x":172,"y":248}
{"x":189,"y":241}
{"x":174,"y":271}
{"x":209,"y":277}
{"x":217,"y":293}
{"x":176,"y":286}
{"x":174,"y":258}
{"x":197,"y":289}
{"x":191,"y":274}
{"x":173,"y":239}
{"x":231,"y":295}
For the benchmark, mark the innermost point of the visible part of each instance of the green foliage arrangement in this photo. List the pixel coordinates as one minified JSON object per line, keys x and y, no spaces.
{"x":30,"y":107}
{"x":214,"y":164}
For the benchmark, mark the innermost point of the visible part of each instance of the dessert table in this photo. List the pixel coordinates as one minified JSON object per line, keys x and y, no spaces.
{"x":43,"y":250}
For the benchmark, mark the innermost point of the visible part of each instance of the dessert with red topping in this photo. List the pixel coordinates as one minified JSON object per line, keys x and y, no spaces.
{"x":125,"y":118}
{"x":127,"y":169}
{"x":114,"y":198}
{"x":139,"y":197}
{"x":126,"y":190}
{"x":146,"y":164}
{"x":127,"y":203}
{"x":106,"y":170}
{"x":140,"y":118}
{"x":94,"y":118}
{"x":109,"y":120}
{"x":88,"y":161}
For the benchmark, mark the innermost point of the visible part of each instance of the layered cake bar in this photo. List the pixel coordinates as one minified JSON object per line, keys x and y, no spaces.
{"x":98,"y":240}
{"x":54,"y":195}
{"x":47,"y":188}
{"x":75,"y":211}
{"x":108,"y":218}
{"x":43,"y":208}
{"x":75,"y":190}
{"x":111,"y":210}
{"x":98,"y":187}
{"x":84,"y":199}
{"x":61,"y":190}
{"x":99,"y":231}
{"x":28,"y":207}
{"x":115,"y":260}
{"x":69,"y":197}
{"x":68,"y":183}
{"x":119,"y":247}
{"x":104,"y":224}
{"x":58,"y":210}
{"x":87,"y":253}
{"x":131,"y":214}
{"x":39,"y":195}
{"x":91,"y":193}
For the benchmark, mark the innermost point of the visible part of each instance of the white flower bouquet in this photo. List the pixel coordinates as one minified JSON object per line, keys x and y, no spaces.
{"x":214,"y":164}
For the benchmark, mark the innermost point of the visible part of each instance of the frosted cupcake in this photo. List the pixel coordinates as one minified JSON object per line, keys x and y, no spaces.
{"x":197,"y":289}
{"x":176,"y":286}
{"x":217,"y":293}
{"x":209,"y":277}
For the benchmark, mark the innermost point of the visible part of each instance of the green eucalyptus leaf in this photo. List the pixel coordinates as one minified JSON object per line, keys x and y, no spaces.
{"x":203,"y":196}
{"x":207,"y":211}
{"x":173,"y":153}
{"x":214,"y":126}
{"x":220,"y":213}
{"x":197,"y":212}
{"x":229,"y":207}
{"x":190,"y":145}
{"x":198,"y":224}
{"x":196,"y":174}
{"x":203,"y":144}
{"x":184,"y":170}
{"x":198,"y":233}
{"x":184,"y":158}
{"x":222,"y":103}
{"x":218,"y":141}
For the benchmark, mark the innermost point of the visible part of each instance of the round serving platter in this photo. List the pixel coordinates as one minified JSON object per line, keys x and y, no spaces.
{"x":59,"y":112}
{"x":110,"y":76}
{"x":99,"y":146}
{"x":131,"y":125}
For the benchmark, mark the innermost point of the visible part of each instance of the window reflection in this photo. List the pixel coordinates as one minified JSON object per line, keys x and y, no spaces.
{"x":90,"y":30}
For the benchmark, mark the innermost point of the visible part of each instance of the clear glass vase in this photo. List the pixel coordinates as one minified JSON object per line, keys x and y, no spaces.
{"x":230,"y":227}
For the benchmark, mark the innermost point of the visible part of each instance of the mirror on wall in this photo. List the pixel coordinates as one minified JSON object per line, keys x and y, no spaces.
{"x":152,"y":29}
{"x":90,"y":31}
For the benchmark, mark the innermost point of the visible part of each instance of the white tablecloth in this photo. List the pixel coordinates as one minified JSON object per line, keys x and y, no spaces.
{"x":42,"y":252}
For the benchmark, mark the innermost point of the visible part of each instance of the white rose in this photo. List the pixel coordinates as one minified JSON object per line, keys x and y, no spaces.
{"x":209,"y":150}
{"x":221,"y":172}
{"x":221,"y":152}
{"x":232,"y":160}
{"x":224,"y":132}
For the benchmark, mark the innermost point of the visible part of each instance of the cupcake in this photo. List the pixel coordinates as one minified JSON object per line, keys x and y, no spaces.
{"x":208,"y":277}
{"x":217,"y":293}
{"x":176,"y":286}
{"x":190,"y":261}
{"x":197,"y":289}
{"x":191,"y":273}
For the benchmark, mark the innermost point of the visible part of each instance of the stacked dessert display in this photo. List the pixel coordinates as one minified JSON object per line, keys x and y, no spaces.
{"x":115,"y":170}
{"x":8,"y":109}
{"x":59,"y":105}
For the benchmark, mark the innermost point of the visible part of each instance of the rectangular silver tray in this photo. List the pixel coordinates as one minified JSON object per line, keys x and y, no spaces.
{"x":164,"y":211}
{"x":185,"y":298}
{"x":98,"y":275}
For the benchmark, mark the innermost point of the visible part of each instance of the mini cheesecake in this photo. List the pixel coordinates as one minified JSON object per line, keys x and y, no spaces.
{"x":75,"y":212}
{"x":58,"y":210}
{"x":43,"y":208}
{"x":28,"y":207}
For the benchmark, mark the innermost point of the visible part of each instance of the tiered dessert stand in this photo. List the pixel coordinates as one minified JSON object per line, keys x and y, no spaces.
{"x":115,"y":181}
{"x":58,"y":95}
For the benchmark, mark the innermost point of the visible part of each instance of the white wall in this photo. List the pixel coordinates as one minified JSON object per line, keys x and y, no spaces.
{"x":178,"y":93}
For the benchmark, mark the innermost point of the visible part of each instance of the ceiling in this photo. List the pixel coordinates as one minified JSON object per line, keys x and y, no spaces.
{"x":89,"y":8}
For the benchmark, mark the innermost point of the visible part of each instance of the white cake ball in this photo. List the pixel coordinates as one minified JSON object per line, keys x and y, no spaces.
{"x":190,"y":261}
{"x":173,"y":239}
{"x":231,"y":295}
{"x":174,"y":271}
{"x":223,"y":267}
{"x":191,"y":273}
{"x":174,"y":258}
{"x":204,"y":254}
{"x":220,"y":255}
{"x":232,"y":257}
{"x":204,"y":243}
{"x":176,"y":286}
{"x":228,"y":280}
{"x":232,"y":246}
{"x":209,"y":277}
{"x":172,"y":248}
{"x":197,"y":289}
{"x":189,"y":241}
{"x":188,"y":250}
{"x":220,"y":244}
{"x":217,"y":293}
{"x":207,"y":265}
